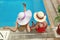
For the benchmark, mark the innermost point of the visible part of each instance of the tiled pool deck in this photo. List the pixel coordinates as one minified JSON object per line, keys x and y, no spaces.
{"x":48,"y":35}
{"x":51,"y":8}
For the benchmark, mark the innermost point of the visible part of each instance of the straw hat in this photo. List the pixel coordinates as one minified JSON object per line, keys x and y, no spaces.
{"x":24,"y":17}
{"x":39,"y":16}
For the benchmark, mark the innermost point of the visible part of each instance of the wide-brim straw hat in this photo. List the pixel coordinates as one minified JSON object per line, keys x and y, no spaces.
{"x":39,"y":16}
{"x":25,"y":19}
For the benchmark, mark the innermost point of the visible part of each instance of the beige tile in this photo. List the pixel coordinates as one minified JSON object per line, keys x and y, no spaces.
{"x":44,"y":39}
{"x":57,"y":39}
{"x":33,"y":39}
{"x":50,"y":38}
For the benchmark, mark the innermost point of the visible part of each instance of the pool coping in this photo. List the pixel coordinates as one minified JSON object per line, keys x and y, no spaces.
{"x":49,"y":13}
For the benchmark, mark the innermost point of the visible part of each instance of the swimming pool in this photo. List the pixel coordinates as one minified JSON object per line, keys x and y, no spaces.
{"x":9,"y":10}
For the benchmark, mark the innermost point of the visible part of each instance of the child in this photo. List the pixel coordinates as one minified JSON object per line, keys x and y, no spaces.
{"x":41,"y":24}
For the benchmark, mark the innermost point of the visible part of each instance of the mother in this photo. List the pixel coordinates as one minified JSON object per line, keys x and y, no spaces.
{"x":22,"y":22}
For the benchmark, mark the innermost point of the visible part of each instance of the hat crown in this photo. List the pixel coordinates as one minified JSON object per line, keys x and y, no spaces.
{"x":40,"y":14}
{"x":21,"y":15}
{"x":24,"y":17}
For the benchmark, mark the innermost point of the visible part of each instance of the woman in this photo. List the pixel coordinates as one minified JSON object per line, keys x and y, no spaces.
{"x":22,"y":20}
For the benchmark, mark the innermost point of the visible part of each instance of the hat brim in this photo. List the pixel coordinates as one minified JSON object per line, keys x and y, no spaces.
{"x":26,"y":19}
{"x":42,"y":20}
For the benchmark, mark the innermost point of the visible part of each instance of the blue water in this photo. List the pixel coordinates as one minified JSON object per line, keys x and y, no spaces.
{"x":9,"y":10}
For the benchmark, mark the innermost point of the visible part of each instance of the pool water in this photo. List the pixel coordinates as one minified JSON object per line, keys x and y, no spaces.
{"x":9,"y":10}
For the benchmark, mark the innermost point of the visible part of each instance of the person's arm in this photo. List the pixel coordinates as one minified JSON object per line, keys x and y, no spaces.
{"x":12,"y":29}
{"x":45,"y":24}
{"x":36,"y":26}
{"x":28,"y":28}
{"x":24,"y":7}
